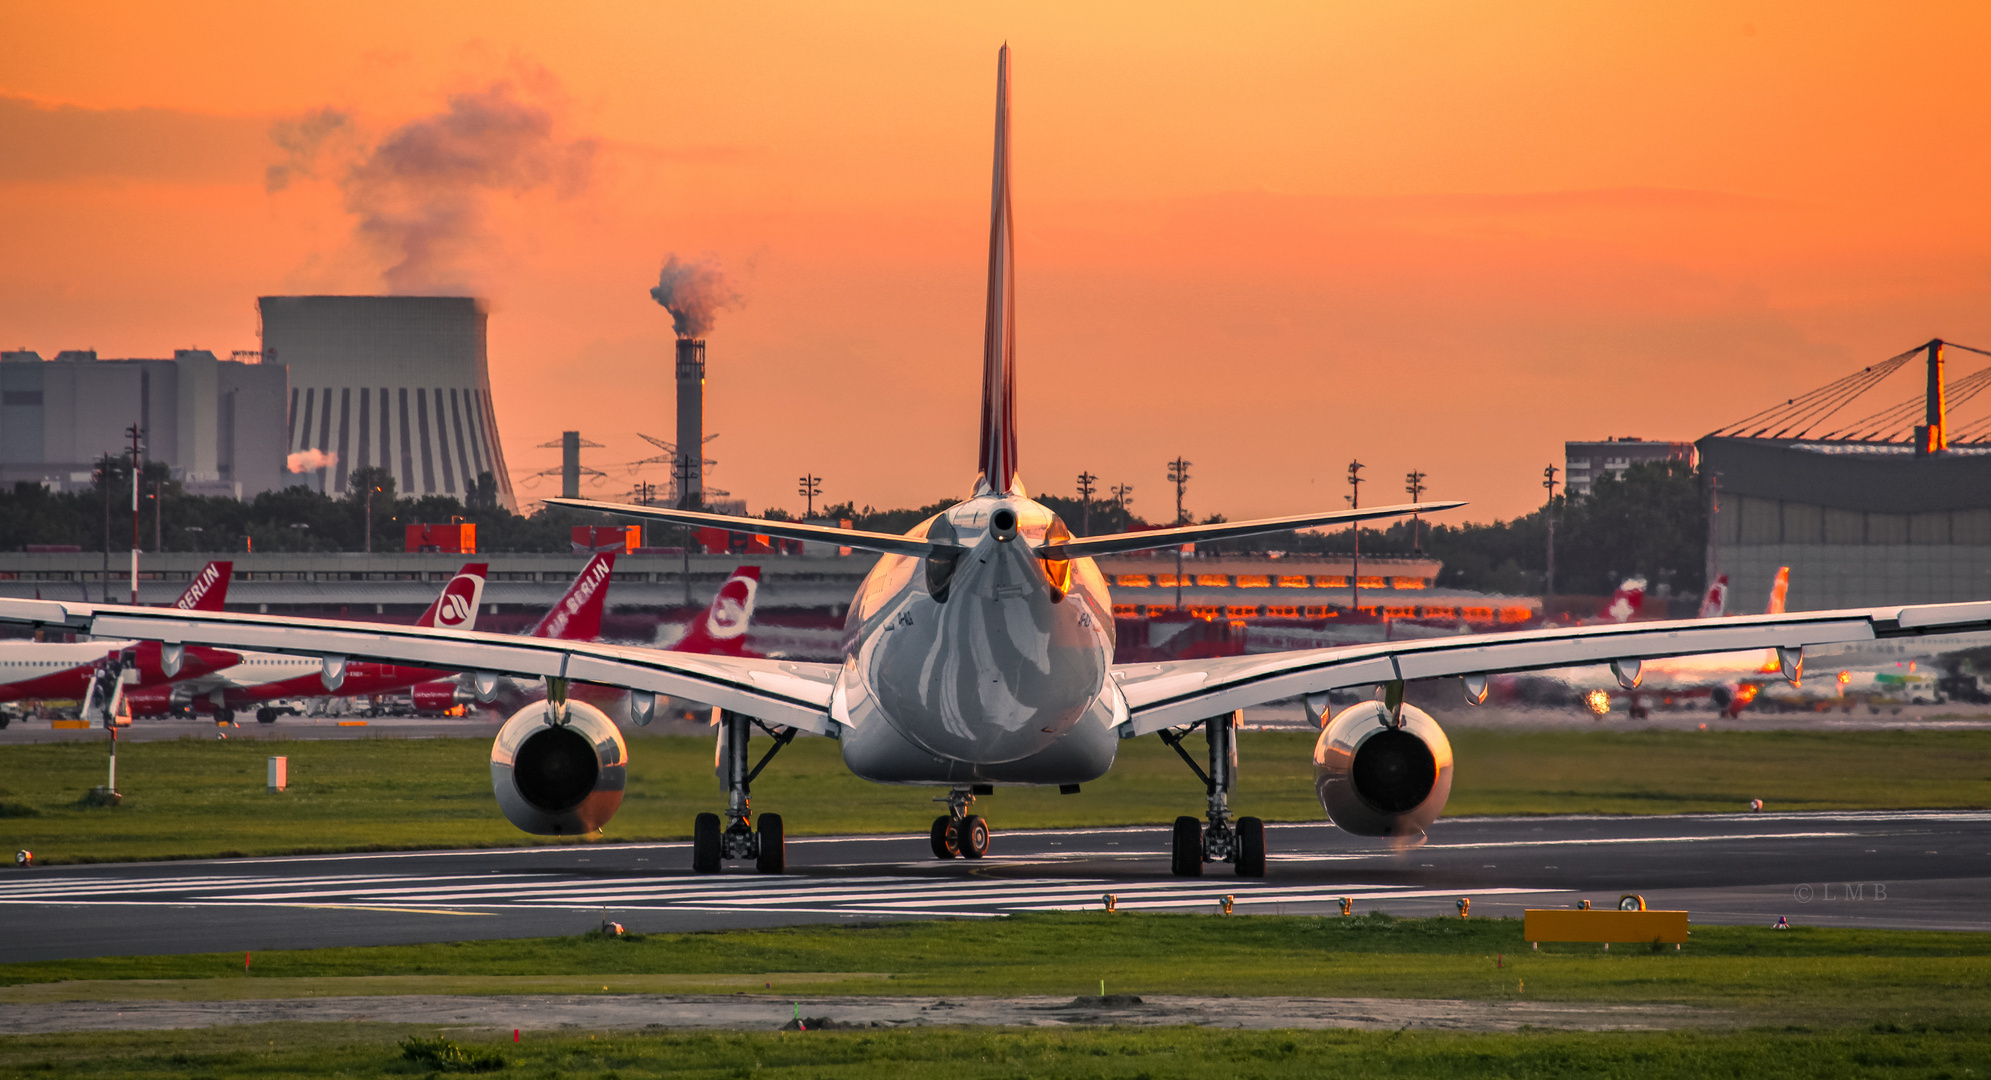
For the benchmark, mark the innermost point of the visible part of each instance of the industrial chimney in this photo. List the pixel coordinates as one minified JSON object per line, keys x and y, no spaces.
{"x":690,"y":467}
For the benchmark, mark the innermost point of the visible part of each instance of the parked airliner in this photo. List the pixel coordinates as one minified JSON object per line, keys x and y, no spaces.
{"x":978,"y":653}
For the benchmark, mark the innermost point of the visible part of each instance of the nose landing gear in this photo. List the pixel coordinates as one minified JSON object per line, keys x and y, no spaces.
{"x":961,"y":834}
{"x":711,"y":844}
{"x":1239,"y":841}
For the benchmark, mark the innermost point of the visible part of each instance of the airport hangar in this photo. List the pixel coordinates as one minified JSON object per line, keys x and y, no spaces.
{"x":1867,"y":508}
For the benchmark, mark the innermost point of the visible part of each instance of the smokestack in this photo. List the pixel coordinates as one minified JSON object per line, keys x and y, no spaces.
{"x":690,"y":469}
{"x":1933,"y":437}
{"x":570,"y":464}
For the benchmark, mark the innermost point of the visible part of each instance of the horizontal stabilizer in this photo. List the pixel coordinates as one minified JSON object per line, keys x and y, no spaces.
{"x":787,"y":530}
{"x":1089,"y":546}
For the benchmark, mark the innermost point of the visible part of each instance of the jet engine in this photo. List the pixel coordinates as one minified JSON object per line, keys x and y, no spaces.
{"x":436,"y":698}
{"x":1376,"y":779}
{"x":558,"y":774}
{"x":149,"y":700}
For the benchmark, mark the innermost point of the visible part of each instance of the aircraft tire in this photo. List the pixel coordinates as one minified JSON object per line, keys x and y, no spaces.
{"x":771,"y":859}
{"x":4,"y":721}
{"x":225,"y":716}
{"x":705,"y":844}
{"x":1250,"y":847}
{"x":973,"y":837}
{"x":943,"y":838}
{"x":1187,"y":853}
{"x":266,"y":716}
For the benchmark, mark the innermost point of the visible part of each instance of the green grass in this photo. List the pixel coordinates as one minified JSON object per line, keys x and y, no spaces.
{"x":1803,"y":975}
{"x":194,"y":798}
{"x":1920,"y":1051}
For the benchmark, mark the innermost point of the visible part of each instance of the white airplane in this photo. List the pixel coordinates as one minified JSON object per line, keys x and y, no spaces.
{"x":978,"y":653}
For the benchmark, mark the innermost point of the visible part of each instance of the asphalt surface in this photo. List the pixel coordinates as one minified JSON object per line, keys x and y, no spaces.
{"x":1908,"y":869}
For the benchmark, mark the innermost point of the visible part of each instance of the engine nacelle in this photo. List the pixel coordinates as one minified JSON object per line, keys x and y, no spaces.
{"x":149,"y":700}
{"x":559,"y":779}
{"x":1375,"y":780}
{"x":436,"y":698}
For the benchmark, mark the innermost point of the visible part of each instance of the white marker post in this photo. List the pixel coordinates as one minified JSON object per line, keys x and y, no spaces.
{"x":279,"y":774}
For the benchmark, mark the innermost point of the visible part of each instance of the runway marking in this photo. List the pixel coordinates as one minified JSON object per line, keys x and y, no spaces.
{"x":1592,"y":841}
{"x":377,"y":907}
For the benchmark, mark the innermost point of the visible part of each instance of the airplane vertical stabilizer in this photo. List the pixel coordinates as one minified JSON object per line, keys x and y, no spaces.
{"x":1780,"y":586}
{"x":576,"y":616}
{"x":998,"y":450}
{"x":456,"y":607}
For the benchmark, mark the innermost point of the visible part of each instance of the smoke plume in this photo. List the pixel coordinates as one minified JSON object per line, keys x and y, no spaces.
{"x":309,"y":460}
{"x":421,"y":193}
{"x":301,"y":139}
{"x":694,"y":292}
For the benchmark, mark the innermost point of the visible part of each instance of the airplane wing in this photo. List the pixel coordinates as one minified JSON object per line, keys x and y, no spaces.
{"x":1164,"y":695}
{"x":787,"y":530}
{"x":777,"y":691}
{"x":1114,"y":543}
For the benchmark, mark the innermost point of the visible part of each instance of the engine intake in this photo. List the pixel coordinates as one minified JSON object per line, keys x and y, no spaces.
{"x":1377,"y":780}
{"x":559,"y":779}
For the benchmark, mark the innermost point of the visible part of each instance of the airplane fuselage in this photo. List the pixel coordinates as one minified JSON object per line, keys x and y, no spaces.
{"x":989,"y":665}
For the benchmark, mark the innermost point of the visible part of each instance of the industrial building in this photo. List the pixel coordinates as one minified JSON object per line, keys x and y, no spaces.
{"x":1865,"y":507}
{"x":218,"y":424}
{"x":1584,"y":462}
{"x":400,"y":382}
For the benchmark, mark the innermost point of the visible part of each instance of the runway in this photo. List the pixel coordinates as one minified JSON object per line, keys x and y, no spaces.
{"x":1909,"y":869}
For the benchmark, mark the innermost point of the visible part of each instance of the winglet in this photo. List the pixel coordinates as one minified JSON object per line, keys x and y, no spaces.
{"x":998,"y":449}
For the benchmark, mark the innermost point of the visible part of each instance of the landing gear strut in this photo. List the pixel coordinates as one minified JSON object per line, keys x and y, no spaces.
{"x":1240,"y":842}
{"x":961,"y":834}
{"x":712,"y":845}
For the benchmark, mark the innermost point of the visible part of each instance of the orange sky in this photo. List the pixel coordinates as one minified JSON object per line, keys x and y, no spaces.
{"x":1270,"y":238}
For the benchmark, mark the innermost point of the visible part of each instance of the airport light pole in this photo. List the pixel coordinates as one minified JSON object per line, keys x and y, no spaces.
{"x":1178,"y":474}
{"x":136,"y":434}
{"x":371,"y":489}
{"x":1548,"y":517}
{"x":1355,"y":528}
{"x":812,"y":486}
{"x":1085,"y":489}
{"x":1413,"y":484}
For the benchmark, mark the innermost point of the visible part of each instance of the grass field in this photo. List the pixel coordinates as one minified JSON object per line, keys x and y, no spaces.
{"x":1920,"y":1051}
{"x":1807,"y":1002}
{"x":192,"y":798}
{"x":1806,"y":975}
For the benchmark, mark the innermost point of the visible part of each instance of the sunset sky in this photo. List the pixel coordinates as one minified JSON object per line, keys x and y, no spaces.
{"x":1269,"y":238}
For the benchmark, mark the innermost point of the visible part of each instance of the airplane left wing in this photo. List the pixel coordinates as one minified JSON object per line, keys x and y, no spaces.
{"x":1172,"y":693}
{"x":777,"y":691}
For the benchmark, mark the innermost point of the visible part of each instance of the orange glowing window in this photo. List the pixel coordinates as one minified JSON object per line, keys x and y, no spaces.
{"x":1406,"y":583}
{"x":1126,"y":611}
{"x":1400,"y":612}
{"x":1205,"y":611}
{"x":1330,"y":581}
{"x":1244,"y":611}
{"x":1516,"y":614}
{"x":1170,"y":581}
{"x":1373,"y":583}
{"x":1160,"y":609}
{"x":1278,"y":612}
{"x":1439,"y":612}
{"x":1369,"y":611}
{"x":1293,"y":581}
{"x":1254,"y":581}
{"x":1132,"y":581}
{"x":1322,"y":612}
{"x":1213,"y":581}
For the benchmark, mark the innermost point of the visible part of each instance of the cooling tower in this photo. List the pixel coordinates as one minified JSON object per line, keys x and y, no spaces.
{"x":396,"y":381}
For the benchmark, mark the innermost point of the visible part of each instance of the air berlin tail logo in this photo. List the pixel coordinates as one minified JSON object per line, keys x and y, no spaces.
{"x":208,"y":576}
{"x":458,"y":607}
{"x":732,"y":610}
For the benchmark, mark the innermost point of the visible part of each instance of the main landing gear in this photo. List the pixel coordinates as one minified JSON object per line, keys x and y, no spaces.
{"x":1241,"y":841}
{"x":961,"y":834}
{"x":712,"y":845}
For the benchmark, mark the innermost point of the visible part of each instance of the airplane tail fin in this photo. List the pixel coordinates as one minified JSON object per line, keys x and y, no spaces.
{"x":208,"y":591}
{"x":998,"y":447}
{"x":1626,"y":602}
{"x":456,"y":607}
{"x":722,"y":630}
{"x":1715,"y":604}
{"x":577,"y":614}
{"x":1779,"y":588}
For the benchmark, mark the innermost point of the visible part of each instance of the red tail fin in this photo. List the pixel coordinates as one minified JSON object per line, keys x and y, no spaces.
{"x":456,"y":607}
{"x":208,"y":591}
{"x":998,"y":455}
{"x":1715,"y":603}
{"x":723,"y":627}
{"x":577,"y":615}
{"x":1626,"y":602}
{"x":1780,"y":587}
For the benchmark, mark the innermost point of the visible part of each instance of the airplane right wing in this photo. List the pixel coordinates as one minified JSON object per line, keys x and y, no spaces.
{"x":777,"y":691}
{"x":1172,"y":693}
